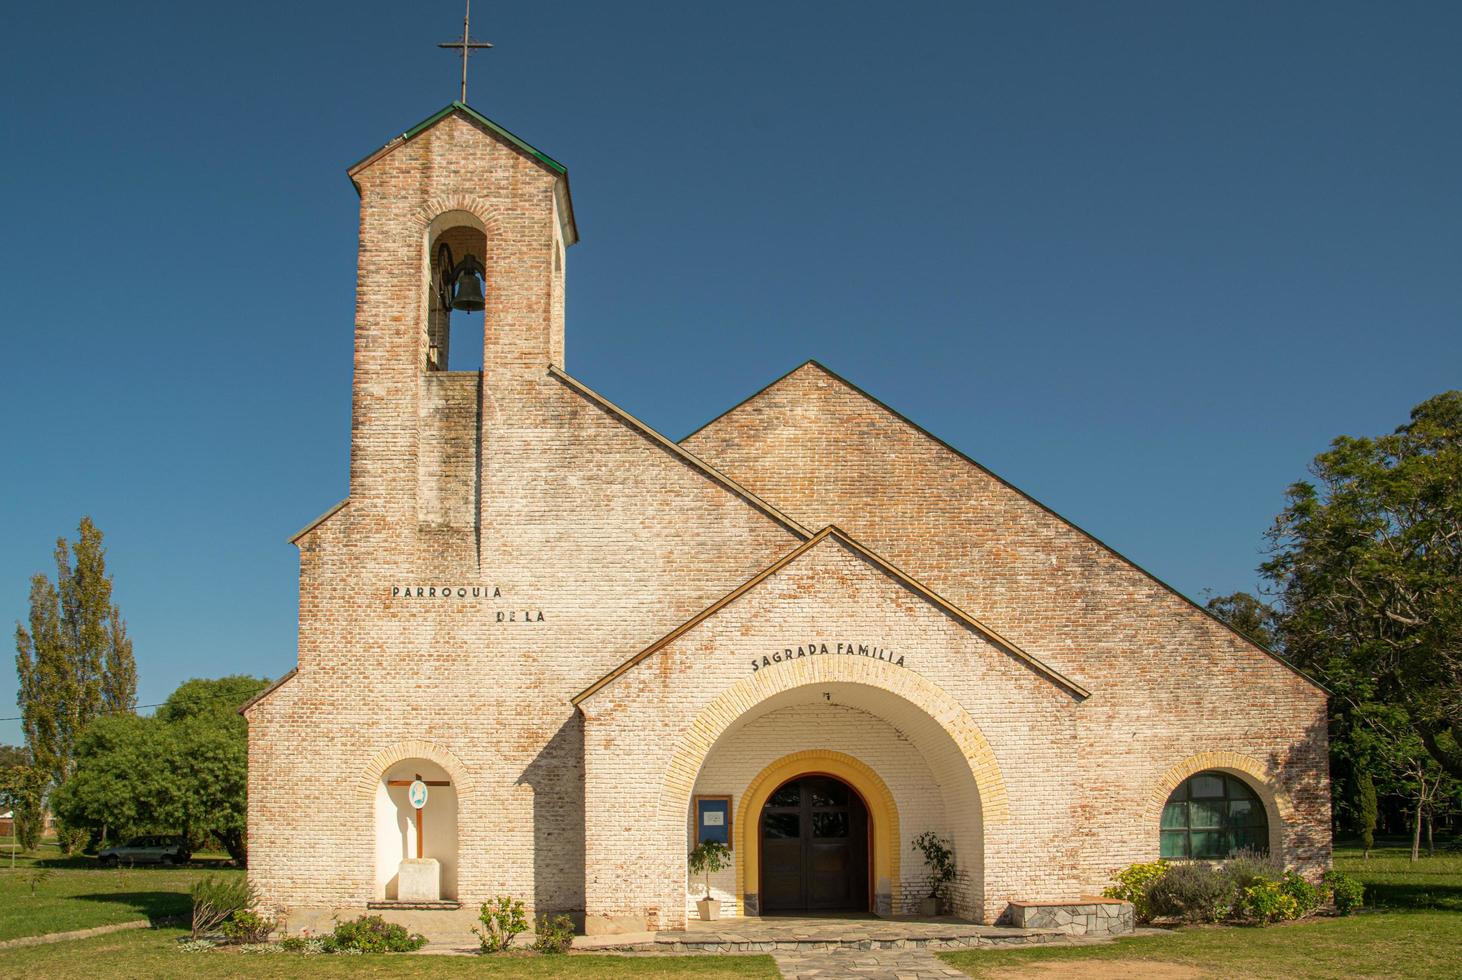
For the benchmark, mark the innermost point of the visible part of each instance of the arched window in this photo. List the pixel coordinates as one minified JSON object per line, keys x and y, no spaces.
{"x":1212,"y":815}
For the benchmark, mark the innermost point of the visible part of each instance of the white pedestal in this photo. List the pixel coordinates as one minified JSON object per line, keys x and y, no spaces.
{"x":419,"y":880}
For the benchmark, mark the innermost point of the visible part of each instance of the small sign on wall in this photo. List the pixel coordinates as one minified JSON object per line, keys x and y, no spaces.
{"x":713,"y":819}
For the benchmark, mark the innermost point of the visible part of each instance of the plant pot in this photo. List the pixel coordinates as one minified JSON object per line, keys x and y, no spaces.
{"x":928,"y":906}
{"x":710,"y":909}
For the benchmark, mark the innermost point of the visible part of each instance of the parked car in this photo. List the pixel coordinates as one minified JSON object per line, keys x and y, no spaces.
{"x":147,"y":850}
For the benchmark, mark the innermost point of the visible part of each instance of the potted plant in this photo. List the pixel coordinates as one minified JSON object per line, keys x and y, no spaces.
{"x":709,"y":857}
{"x":939,"y":859}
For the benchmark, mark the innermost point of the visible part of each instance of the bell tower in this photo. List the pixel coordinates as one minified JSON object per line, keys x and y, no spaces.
{"x":463,"y":230}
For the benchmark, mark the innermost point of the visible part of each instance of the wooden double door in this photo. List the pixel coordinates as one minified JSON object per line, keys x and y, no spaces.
{"x":814,"y":848}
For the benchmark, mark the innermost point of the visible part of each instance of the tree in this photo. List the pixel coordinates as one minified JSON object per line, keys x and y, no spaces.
{"x":1365,"y":810}
{"x":21,"y":785}
{"x":1367,"y":560}
{"x":183,"y":771}
{"x":1250,"y":615}
{"x":75,"y":661}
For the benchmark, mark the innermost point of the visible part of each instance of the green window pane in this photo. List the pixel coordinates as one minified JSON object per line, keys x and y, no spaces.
{"x":789,"y":795}
{"x":1210,"y":815}
{"x":1206,"y":786}
{"x":1206,"y":814}
{"x":1209,"y":844}
{"x":1240,"y":813}
{"x":1252,"y":838}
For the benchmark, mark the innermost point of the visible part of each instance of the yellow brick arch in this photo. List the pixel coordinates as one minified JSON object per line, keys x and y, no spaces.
{"x":883,"y":814}
{"x":899,"y":682}
{"x":1278,"y":808}
{"x":413,"y":748}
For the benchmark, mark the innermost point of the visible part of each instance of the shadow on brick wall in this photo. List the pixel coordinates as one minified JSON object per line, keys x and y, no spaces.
{"x":557,"y":778}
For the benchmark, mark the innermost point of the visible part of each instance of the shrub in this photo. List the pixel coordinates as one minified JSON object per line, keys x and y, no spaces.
{"x":1132,"y":883}
{"x":1307,"y":897}
{"x":1191,"y":892}
{"x":1249,"y":867}
{"x":215,"y":899}
{"x":707,"y":858}
{"x":1266,"y":902}
{"x":37,"y":877}
{"x":372,"y":934}
{"x":502,"y":919}
{"x":1346,"y":892}
{"x":554,"y":935}
{"x":938,"y":860}
{"x":249,"y":927}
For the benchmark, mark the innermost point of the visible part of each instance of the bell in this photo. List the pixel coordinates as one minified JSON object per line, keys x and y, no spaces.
{"x":467,"y":293}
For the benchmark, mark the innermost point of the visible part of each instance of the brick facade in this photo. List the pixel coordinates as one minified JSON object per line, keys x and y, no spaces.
{"x":558,"y":609}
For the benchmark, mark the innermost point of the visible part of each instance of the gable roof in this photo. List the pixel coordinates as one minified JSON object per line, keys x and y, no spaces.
{"x":679,"y":451}
{"x":883,"y":565}
{"x":243,"y":709}
{"x":517,"y":142}
{"x":819,"y":366}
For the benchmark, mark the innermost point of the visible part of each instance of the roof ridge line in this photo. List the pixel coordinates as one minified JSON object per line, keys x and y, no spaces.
{"x":766,"y":387}
{"x":656,"y":436}
{"x":990,"y":633}
{"x":456,"y":105}
{"x":1031,"y":499}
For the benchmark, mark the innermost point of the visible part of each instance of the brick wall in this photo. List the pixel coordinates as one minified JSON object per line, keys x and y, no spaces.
{"x":588,"y":539}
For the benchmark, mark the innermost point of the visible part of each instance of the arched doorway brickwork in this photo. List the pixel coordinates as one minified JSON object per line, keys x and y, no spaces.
{"x":961,"y":756}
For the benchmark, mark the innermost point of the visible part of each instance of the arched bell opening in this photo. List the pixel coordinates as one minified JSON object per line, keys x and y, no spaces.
{"x":456,"y":291}
{"x":416,"y":825}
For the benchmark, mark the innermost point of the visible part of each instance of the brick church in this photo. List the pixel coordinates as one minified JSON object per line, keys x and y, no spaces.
{"x":545,"y":650}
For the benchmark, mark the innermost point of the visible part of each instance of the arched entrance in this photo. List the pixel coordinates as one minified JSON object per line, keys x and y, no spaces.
{"x":814,"y":848}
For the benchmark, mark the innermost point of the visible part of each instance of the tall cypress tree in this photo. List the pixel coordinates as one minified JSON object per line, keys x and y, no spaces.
{"x":75,"y":661}
{"x":1365,"y":810}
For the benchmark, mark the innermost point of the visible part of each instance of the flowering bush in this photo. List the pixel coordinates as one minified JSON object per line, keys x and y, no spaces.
{"x":1266,"y":902}
{"x":502,"y":919}
{"x":1191,"y":892}
{"x":1132,"y":883}
{"x":372,"y":934}
{"x":249,"y":927}
{"x":1346,"y":892}
{"x":554,"y":935}
{"x":1306,"y":895}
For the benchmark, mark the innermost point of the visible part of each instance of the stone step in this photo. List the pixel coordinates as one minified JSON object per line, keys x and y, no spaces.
{"x":706,"y":942}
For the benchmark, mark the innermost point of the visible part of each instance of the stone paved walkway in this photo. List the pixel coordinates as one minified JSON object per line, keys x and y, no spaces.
{"x":863,"y":964}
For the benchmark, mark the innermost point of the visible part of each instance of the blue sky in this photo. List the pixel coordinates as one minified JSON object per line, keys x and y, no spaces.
{"x":1142,"y":259}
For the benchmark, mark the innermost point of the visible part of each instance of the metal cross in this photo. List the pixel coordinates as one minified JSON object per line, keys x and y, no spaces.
{"x":466,"y":45}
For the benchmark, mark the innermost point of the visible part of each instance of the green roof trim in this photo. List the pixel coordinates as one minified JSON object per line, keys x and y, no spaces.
{"x":475,"y":116}
{"x":512,"y":138}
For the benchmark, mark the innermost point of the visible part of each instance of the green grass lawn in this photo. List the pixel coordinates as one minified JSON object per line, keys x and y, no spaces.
{"x":1412,"y":927}
{"x":155,"y":953}
{"x":78,"y":894}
